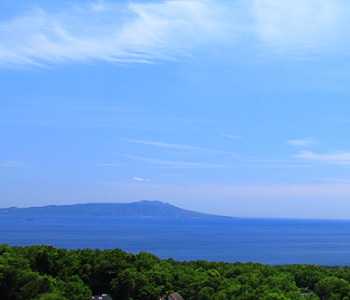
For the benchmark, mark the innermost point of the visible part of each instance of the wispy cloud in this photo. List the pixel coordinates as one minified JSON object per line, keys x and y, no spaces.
{"x":177,"y":146}
{"x":147,"y":31}
{"x":299,"y":26}
{"x":137,"y":32}
{"x":338,"y":157}
{"x":10,"y":163}
{"x":301,"y":143}
{"x":174,"y":164}
{"x":231,"y":136}
{"x":160,"y":144}
{"x":140,"y":179}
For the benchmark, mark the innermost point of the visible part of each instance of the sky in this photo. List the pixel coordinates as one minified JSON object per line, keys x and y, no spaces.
{"x":237,"y":108}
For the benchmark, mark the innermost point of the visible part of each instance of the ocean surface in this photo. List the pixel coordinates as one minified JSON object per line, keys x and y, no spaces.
{"x":268,"y":241}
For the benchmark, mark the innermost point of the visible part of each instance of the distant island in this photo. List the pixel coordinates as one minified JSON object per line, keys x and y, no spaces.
{"x":141,"y":209}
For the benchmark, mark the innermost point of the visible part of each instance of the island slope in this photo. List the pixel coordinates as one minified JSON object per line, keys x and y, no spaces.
{"x":143,"y":208}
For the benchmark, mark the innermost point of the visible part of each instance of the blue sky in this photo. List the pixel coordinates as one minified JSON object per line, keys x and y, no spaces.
{"x":237,"y":108}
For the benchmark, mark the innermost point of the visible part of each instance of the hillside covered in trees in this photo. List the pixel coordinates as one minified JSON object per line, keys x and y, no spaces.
{"x":48,"y":273}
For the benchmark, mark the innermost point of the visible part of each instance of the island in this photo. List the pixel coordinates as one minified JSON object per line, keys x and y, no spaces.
{"x":141,"y":209}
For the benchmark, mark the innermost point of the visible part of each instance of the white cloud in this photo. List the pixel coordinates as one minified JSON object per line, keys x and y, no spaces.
{"x":147,"y":31}
{"x":177,"y":146}
{"x":231,"y":136}
{"x":300,"y":26}
{"x":333,"y":158}
{"x":301,"y":143}
{"x":9,"y":163}
{"x":174,"y":164}
{"x":160,"y":144}
{"x":140,"y":179}
{"x":138,"y":32}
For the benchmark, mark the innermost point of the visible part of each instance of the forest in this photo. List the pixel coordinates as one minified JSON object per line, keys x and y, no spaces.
{"x":49,"y":273}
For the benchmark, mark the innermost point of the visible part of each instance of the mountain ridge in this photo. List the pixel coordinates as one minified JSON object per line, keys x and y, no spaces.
{"x":140,"y":209}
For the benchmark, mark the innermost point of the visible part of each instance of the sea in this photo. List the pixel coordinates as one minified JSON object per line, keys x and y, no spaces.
{"x":267,"y":241}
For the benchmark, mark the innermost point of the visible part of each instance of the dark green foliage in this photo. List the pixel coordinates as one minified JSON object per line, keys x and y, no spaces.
{"x":50,"y":296}
{"x":48,"y":273}
{"x":332,"y":288}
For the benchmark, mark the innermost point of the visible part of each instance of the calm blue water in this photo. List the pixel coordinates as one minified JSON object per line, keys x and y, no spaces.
{"x":270,"y":241}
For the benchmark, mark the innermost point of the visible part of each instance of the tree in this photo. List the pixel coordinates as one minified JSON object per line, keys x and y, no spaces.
{"x":332,"y":288}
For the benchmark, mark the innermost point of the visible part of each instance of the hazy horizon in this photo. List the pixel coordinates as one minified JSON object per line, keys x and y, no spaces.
{"x":195,"y":211}
{"x":235,"y":108}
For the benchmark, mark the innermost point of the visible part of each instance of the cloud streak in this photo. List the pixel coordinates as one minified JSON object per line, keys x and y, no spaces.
{"x":338,"y":157}
{"x":301,"y":143}
{"x":177,"y":146}
{"x":138,"y":32}
{"x":144,"y":32}
{"x":174,"y":164}
{"x":140,"y":179}
{"x":231,"y":136}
